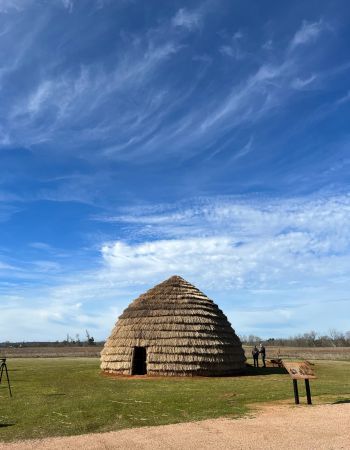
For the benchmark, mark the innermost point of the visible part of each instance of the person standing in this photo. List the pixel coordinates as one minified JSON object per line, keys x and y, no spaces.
{"x":255,"y":354}
{"x":262,"y":352}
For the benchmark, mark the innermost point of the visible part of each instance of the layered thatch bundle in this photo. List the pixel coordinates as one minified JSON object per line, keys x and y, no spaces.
{"x":173,"y":329}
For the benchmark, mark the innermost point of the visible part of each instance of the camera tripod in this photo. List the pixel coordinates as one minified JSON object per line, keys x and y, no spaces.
{"x":3,"y":368}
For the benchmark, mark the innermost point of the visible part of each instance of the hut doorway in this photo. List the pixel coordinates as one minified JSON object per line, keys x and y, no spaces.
{"x":139,"y":361}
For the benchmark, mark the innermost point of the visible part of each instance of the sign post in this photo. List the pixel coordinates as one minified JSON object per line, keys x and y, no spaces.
{"x":296,"y":393}
{"x":308,"y":392}
{"x":300,"y":370}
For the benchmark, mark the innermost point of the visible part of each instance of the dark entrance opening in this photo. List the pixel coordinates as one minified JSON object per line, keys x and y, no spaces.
{"x":139,"y":364}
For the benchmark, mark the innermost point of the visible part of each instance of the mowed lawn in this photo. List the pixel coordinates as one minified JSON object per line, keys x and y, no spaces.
{"x":65,"y":396}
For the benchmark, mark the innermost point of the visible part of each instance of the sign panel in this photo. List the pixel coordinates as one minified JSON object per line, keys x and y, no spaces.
{"x":299,"y":370}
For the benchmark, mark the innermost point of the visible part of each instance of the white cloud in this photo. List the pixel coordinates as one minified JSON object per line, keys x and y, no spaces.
{"x":5,"y":266}
{"x":212,"y":261}
{"x":344,"y":99}
{"x":164,"y":258}
{"x":187,"y":19}
{"x":301,"y":83}
{"x":252,"y":98}
{"x":41,"y":94}
{"x":254,"y":217}
{"x":268,"y":45}
{"x":307,"y":33}
{"x":7,"y":6}
{"x":43,"y":320}
{"x":233,"y":47}
{"x":276,"y":255}
{"x":238,"y":35}
{"x":74,"y":97}
{"x":226,"y":50}
{"x":247,"y":148}
{"x":242,"y":244}
{"x":68,"y":4}
{"x":5,"y":140}
{"x":85,"y":301}
{"x":6,"y":210}
{"x":41,"y":246}
{"x":47,"y":266}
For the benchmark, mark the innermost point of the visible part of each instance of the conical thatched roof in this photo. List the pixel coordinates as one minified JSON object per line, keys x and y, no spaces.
{"x":179,"y":330}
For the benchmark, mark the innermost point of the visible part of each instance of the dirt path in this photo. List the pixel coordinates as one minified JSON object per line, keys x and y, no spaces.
{"x":324,"y":427}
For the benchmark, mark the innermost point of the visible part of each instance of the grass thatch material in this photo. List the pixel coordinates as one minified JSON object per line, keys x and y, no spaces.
{"x":185,"y":333}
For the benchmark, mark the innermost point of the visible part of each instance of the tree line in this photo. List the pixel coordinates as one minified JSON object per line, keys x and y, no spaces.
{"x":69,"y":341}
{"x":334,"y":338}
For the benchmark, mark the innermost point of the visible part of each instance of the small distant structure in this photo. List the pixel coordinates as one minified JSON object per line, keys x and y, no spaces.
{"x":173,"y":330}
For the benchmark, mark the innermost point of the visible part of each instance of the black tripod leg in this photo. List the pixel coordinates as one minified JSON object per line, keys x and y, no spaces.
{"x":4,"y":367}
{"x":8,"y":381}
{"x":2,"y":370}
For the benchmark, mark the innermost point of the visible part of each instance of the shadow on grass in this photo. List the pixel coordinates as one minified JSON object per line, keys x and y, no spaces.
{"x":4,"y":425}
{"x":254,"y":371}
{"x":345,"y":400}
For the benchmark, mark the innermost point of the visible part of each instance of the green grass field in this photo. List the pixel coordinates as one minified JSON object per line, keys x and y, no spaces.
{"x":65,"y":396}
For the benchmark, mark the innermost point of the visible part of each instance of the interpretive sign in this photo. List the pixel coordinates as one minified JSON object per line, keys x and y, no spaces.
{"x":299,"y":370}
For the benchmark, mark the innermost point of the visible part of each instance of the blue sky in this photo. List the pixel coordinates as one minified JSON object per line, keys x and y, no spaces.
{"x":144,"y":139}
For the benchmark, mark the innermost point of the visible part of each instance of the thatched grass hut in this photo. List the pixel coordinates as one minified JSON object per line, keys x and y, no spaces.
{"x":173,"y":329}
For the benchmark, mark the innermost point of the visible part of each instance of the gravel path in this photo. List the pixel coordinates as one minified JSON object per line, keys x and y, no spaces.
{"x":324,"y":427}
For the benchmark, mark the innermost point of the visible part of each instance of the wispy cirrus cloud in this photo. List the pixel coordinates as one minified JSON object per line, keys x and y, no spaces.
{"x":249,"y":101}
{"x":344,"y":99}
{"x":299,"y":83}
{"x":91,"y":87}
{"x":317,"y":215}
{"x":308,"y":33}
{"x":233,"y":47}
{"x":187,"y":19}
{"x":60,"y":98}
{"x":7,"y":6}
{"x":68,"y":4}
{"x":81,"y":106}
